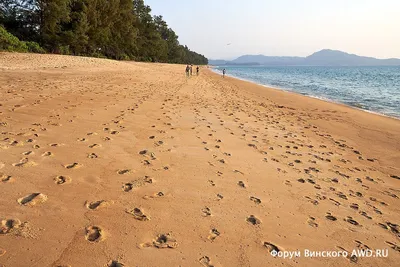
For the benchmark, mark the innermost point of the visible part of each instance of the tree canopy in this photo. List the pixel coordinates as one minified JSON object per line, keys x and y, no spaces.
{"x":118,"y":29}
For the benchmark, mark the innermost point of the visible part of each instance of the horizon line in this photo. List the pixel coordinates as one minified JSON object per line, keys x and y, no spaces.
{"x":303,"y":56}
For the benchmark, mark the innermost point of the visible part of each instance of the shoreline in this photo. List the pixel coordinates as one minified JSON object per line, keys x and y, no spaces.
{"x":375,"y":132}
{"x":135,"y":159}
{"x":214,"y":70}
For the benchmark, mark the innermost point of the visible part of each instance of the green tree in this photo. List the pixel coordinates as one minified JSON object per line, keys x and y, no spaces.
{"x":119,"y":29}
{"x":75,"y":31}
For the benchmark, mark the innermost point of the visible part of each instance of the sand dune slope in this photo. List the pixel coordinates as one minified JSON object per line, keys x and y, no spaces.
{"x":106,"y":163}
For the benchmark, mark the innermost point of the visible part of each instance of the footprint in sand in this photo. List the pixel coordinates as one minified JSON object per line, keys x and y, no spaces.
{"x":206,"y":211}
{"x":6,"y":178}
{"x":143,"y":152}
{"x":94,"y":234}
{"x":205,"y":261}
{"x":394,"y":228}
{"x":311,"y":181}
{"x":352,"y":221}
{"x":393,"y":246}
{"x":138,"y":214}
{"x":162,"y":241}
{"x":94,"y":146}
{"x":255,"y":200}
{"x":241,"y":184}
{"x":214,"y":233}
{"x":166,"y":168}
{"x":115,"y":264}
{"x":74,"y":165}
{"x":363,"y":213}
{"x":155,"y":195}
{"x":32,"y":199}
{"x":62,"y":180}
{"x":335,"y":202}
{"x":25,"y":163}
{"x":137,"y":183}
{"x":47,"y":154}
{"x":354,"y":206}
{"x":55,"y":145}
{"x":271,"y":247}
{"x":2,"y":252}
{"x":395,"y":177}
{"x":28,"y":153}
{"x":93,"y":156}
{"x":220,"y":197}
{"x":252,"y":145}
{"x":330,"y":217}
{"x":311,"y":222}
{"x":9,"y":225}
{"x":288,"y":183}
{"x":125,"y":171}
{"x":350,"y":257}
{"x":96,"y":205}
{"x":16,"y":143}
{"x":127,"y":187}
{"x":253,"y":220}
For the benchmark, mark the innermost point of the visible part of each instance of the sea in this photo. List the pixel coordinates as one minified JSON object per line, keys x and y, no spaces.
{"x":373,"y":89}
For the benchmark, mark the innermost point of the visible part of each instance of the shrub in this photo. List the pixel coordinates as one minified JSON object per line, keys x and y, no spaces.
{"x":123,"y":57}
{"x":34,"y":47}
{"x":97,"y":54}
{"x":9,"y":42}
{"x":64,"y":49}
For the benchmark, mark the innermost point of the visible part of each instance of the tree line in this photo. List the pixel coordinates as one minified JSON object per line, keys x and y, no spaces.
{"x":117,"y":29}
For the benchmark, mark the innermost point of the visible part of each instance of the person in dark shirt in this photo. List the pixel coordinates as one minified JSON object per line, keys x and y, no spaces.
{"x":197,"y":70}
{"x":187,"y":71}
{"x":223,"y":73}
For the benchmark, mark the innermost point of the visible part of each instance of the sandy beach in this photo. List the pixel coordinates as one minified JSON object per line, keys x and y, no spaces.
{"x":107,"y":163}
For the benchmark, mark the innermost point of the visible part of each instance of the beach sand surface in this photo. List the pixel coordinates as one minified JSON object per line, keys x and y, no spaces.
{"x":106,"y":163}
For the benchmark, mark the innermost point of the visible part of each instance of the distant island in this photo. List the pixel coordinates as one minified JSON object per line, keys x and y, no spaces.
{"x":325,"y":57}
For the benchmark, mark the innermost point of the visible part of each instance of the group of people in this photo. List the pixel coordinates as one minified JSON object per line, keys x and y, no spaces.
{"x":189,"y":70}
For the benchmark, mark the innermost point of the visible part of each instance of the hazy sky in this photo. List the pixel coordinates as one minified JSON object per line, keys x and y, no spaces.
{"x":284,"y":27}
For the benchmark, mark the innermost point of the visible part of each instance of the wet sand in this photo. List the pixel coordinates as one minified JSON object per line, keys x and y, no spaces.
{"x":105,"y":163}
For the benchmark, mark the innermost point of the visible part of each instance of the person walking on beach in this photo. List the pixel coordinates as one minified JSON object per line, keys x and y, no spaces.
{"x":223,"y":73}
{"x":187,"y":71}
{"x":197,"y":70}
{"x":191,"y":69}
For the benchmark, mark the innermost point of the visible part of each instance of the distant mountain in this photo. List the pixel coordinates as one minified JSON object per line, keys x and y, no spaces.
{"x":324,"y":57}
{"x":339,"y":58}
{"x":217,"y":62}
{"x":265,"y":60}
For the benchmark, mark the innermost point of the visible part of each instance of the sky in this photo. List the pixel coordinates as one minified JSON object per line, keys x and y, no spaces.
{"x":283,"y":27}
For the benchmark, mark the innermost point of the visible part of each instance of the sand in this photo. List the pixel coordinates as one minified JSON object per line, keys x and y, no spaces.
{"x":106,"y":163}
